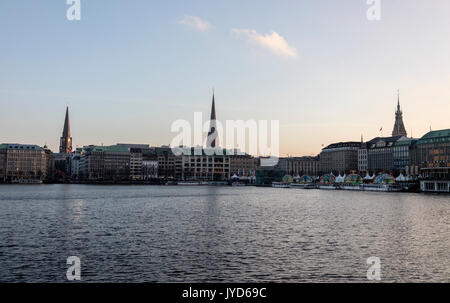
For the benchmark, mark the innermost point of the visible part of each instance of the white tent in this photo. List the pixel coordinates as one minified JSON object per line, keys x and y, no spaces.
{"x":367,"y":177}
{"x":340,"y":179}
{"x":400,"y":178}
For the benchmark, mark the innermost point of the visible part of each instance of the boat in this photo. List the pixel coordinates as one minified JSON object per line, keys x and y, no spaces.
{"x":188,"y":183}
{"x":280,"y":185}
{"x":380,"y":187}
{"x":27,"y":181}
{"x":351,"y":187}
{"x":303,"y":185}
{"x":327,"y":186}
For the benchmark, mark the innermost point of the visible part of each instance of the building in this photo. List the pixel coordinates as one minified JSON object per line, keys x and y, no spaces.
{"x":136,"y":163}
{"x":74,"y":166}
{"x":149,"y":169}
{"x":3,"y":165}
{"x":282,"y":165}
{"x":62,"y":166}
{"x":380,"y":153}
{"x":20,"y":162}
{"x":430,"y":156}
{"x":299,"y":166}
{"x":105,"y":163}
{"x":206,"y":166}
{"x":399,"y":127}
{"x":243,"y":165}
{"x":170,"y":166}
{"x":149,"y":164}
{"x":65,"y":142}
{"x":363,"y":161}
{"x":339,"y":157}
{"x":400,"y":156}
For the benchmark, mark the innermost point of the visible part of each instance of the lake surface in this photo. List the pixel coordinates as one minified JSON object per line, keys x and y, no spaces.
{"x":220,"y":234}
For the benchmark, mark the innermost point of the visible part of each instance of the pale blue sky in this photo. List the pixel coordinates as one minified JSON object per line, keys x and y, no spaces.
{"x":130,"y":68}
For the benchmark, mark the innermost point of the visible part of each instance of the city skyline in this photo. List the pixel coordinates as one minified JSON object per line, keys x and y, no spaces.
{"x":65,"y":141}
{"x":127,"y":76}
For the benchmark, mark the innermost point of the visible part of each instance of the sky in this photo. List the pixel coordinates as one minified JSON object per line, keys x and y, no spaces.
{"x":128,"y":69}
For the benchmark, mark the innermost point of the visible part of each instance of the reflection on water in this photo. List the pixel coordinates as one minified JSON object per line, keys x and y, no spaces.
{"x":208,"y":234}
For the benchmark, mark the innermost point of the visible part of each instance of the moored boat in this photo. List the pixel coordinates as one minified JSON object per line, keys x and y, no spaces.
{"x":280,"y":185}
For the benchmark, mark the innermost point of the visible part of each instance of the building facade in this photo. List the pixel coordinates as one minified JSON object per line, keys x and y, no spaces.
{"x":339,"y":157}
{"x":105,"y":163}
{"x":430,"y":156}
{"x":242,"y":165}
{"x":170,"y":166}
{"x":206,"y":166}
{"x":363,"y":161}
{"x":304,"y":166}
{"x":25,"y":162}
{"x":401,"y":156}
{"x":380,"y":153}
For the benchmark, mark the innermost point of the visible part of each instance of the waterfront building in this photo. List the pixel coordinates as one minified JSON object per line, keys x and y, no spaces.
{"x":105,"y":163}
{"x":380,"y":152}
{"x":149,"y":164}
{"x":242,"y":165}
{"x":339,"y":157}
{"x":50,"y":164}
{"x":282,"y":165}
{"x":149,"y":169}
{"x":266,"y":175}
{"x":62,"y":166}
{"x":170,"y":166}
{"x":21,"y":162}
{"x":74,"y":164}
{"x":65,"y":146}
{"x":430,"y":157}
{"x":3,"y":151}
{"x":304,"y":166}
{"x":363,"y":161}
{"x":136,"y":163}
{"x":400,"y":155}
{"x":206,"y":167}
{"x":399,"y":127}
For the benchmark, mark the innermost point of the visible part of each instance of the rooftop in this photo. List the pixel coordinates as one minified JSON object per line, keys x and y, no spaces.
{"x":18,"y":146}
{"x":437,"y":136}
{"x":406,"y":142}
{"x":111,"y":149}
{"x":343,"y":145}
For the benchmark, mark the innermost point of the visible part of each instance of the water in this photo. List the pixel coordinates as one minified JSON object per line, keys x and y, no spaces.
{"x":220,"y":234}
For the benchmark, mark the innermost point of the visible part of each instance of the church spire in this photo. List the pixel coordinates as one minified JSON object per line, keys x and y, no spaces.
{"x":212,"y":134}
{"x":213,"y":108}
{"x":65,"y":145}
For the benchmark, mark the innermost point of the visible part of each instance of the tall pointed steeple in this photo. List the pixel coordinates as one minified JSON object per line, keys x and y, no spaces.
{"x":65,"y":142}
{"x":399,"y":127}
{"x":212,"y":141}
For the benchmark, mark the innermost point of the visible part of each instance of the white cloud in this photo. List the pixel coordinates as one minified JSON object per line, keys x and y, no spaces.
{"x":196,"y":23}
{"x":272,"y":41}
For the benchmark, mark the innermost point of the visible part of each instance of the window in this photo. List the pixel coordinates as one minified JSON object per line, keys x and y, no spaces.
{"x":442,"y":187}
{"x":429,"y":186}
